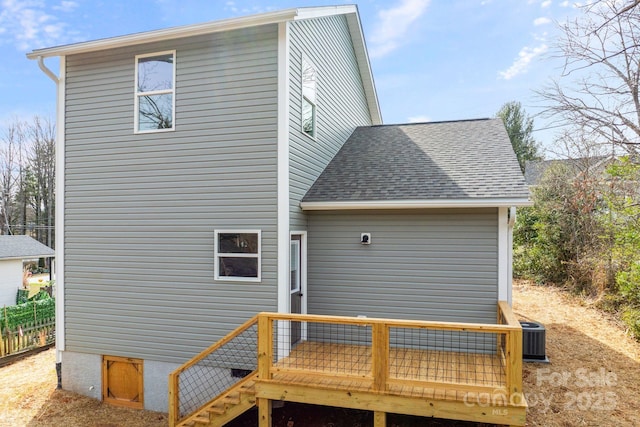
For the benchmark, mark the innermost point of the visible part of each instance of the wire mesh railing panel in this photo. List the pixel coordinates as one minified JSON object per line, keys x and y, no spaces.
{"x":327,"y":348}
{"x":218,"y":371}
{"x":445,"y":356}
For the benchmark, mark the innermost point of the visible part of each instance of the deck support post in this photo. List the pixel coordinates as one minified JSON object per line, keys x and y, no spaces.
{"x":379,"y":419}
{"x":264,"y":412}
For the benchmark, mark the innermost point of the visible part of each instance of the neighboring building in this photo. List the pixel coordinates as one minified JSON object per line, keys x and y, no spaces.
{"x":14,"y":251}
{"x":536,"y":169}
{"x":211,"y":172}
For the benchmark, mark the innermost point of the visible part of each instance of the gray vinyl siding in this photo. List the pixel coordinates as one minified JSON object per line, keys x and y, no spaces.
{"x":341,"y":102}
{"x":439,"y":265}
{"x":141,"y":210}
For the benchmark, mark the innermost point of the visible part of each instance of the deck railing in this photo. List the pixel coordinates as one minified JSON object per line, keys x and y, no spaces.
{"x":381,"y":355}
{"x":211,"y":372}
{"x":388,"y":354}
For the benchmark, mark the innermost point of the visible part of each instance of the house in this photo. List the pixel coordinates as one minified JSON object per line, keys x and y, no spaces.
{"x":216,"y":171}
{"x":14,"y":251}
{"x":582,"y":166}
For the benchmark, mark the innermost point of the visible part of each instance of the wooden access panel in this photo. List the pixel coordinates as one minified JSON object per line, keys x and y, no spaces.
{"x":122,"y":381}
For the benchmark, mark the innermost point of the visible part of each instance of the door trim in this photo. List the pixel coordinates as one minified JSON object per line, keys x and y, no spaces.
{"x":303,"y":271}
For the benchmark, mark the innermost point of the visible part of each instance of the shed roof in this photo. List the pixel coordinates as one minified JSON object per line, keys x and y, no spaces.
{"x":23,"y":247}
{"x":439,"y":164}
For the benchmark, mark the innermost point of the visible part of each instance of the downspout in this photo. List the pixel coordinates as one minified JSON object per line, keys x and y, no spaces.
{"x":47,"y":71}
{"x":59,"y":215}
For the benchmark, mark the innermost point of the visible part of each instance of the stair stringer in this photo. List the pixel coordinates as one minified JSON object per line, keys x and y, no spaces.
{"x":230,"y":404}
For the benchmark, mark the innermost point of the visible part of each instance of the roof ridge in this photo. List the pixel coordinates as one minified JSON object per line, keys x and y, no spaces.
{"x":480,"y":119}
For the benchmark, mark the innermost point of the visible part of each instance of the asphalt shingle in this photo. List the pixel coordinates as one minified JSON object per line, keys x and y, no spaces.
{"x":468,"y":159}
{"x":12,"y":247}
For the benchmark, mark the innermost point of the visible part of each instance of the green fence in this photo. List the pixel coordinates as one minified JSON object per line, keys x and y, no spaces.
{"x":28,"y":325}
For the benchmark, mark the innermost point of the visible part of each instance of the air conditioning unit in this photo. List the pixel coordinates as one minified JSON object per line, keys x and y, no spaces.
{"x":533,"y":342}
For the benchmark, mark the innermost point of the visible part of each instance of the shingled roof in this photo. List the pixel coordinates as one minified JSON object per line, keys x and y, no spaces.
{"x":23,"y":247}
{"x":440,"y":162}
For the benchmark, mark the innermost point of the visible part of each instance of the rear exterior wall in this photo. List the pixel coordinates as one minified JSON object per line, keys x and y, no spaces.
{"x":141,"y":209}
{"x":436,"y":265}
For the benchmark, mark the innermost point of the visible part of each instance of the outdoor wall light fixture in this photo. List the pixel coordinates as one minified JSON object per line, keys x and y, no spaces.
{"x":365,"y":238}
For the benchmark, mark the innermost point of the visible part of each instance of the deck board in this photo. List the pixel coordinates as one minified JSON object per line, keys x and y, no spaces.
{"x":445,"y":375}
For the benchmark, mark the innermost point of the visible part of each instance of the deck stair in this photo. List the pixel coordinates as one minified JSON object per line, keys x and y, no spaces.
{"x":227,"y":406}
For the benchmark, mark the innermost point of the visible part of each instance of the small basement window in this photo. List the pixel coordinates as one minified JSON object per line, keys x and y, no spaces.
{"x":237,"y":255}
{"x":309,"y":96}
{"x":155,"y":92}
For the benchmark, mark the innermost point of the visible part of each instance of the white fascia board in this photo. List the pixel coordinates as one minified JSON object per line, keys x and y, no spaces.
{"x":167,"y":34}
{"x":191,"y":30}
{"x":414,"y":204}
{"x":359,"y":46}
{"x":27,"y":257}
{"x":324,"y":11}
{"x":364,"y":65}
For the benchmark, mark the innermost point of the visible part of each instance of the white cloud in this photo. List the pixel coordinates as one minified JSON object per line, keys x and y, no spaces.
{"x":545,"y":3}
{"x":521,"y":64}
{"x":543,"y":20}
{"x":419,"y":119}
{"x":27,"y":25}
{"x":66,"y":6}
{"x":393,"y":24}
{"x":565,"y":3}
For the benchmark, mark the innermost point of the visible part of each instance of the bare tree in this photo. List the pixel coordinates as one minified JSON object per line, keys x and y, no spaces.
{"x":27,"y":179}
{"x":11,"y":167}
{"x":41,"y":134}
{"x":597,"y":93}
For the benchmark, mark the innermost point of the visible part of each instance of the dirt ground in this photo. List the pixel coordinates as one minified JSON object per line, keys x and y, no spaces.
{"x":594,"y":375}
{"x":593,"y":380}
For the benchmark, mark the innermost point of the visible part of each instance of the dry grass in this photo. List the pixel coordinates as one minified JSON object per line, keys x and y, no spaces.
{"x":599,"y":363}
{"x":594,"y":375}
{"x":28,"y":398}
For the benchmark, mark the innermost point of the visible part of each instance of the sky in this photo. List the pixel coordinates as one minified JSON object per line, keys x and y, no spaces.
{"x":432,"y":60}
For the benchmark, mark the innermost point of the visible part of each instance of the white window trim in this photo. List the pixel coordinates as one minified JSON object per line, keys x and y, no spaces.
{"x":314,"y":105}
{"x":137,"y":95}
{"x":298,"y":243}
{"x":216,"y":255}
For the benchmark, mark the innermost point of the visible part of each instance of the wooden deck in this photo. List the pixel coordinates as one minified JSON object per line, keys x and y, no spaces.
{"x":471,"y":372}
{"x":341,"y":363}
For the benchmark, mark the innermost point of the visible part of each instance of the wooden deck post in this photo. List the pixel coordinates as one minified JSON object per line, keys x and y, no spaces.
{"x":174,"y":405}
{"x":264,"y":412}
{"x":513,"y":348}
{"x":380,"y":355}
{"x":265,"y":346}
{"x":514,"y":363}
{"x":379,"y":419}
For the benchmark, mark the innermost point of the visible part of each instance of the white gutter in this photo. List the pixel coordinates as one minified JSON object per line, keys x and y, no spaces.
{"x":59,"y":251}
{"x":414,"y":204}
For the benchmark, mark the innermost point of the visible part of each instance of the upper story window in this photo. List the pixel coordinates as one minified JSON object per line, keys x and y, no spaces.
{"x":309,"y":95}
{"x":155,"y":92}
{"x":237,"y":255}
